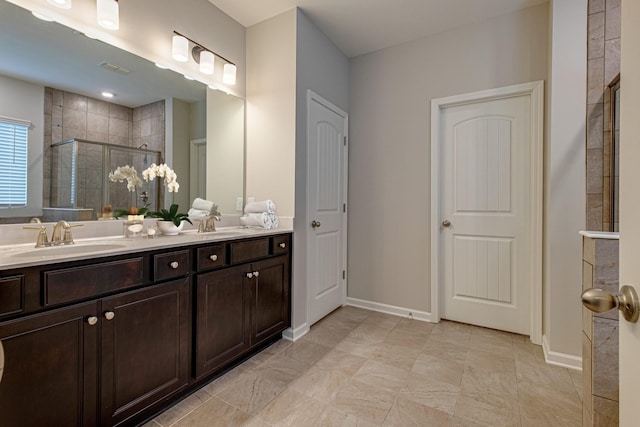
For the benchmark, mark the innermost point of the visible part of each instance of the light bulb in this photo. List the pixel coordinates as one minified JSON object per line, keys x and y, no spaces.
{"x":229,"y":74}
{"x":108,"y":14}
{"x":180,"y":48}
{"x":207,"y":60}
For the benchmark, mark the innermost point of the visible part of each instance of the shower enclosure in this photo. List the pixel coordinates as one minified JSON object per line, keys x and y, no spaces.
{"x":80,"y":178}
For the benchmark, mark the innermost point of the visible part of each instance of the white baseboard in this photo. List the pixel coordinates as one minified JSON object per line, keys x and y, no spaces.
{"x":291,"y":334}
{"x":392,"y":309}
{"x":560,"y":359}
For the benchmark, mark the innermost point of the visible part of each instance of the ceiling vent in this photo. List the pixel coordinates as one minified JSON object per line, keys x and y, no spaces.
{"x":114,"y":68}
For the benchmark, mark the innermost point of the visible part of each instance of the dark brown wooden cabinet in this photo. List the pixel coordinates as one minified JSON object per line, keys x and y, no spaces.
{"x":270,"y":298}
{"x":145,"y":343}
{"x":50,"y":368}
{"x":223,"y":316}
{"x":111,"y":342}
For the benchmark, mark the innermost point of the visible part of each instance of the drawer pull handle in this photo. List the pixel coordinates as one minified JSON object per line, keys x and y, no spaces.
{"x":92,"y":320}
{"x":213,"y":257}
{"x":109,"y":315}
{"x":256,"y":273}
{"x":283,"y":245}
{"x":174,"y":264}
{"x":249,"y":275}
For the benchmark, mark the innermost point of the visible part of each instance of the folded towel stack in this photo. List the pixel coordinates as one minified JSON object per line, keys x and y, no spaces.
{"x":260,"y":215}
{"x":200,"y":207}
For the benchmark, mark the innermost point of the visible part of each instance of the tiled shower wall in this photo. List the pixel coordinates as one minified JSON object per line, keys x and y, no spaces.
{"x":69,"y":115}
{"x":603,"y":65}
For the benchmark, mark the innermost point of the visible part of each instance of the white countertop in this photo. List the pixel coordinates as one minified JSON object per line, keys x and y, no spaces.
{"x":25,"y":255}
{"x":611,"y":235}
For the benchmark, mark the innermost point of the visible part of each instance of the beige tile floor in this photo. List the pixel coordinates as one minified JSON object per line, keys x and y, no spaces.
{"x":363,"y":368}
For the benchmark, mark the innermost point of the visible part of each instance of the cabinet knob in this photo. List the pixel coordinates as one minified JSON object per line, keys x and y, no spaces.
{"x":256,"y":273}
{"x":283,"y":245}
{"x":174,"y":264}
{"x":249,"y":275}
{"x":109,"y":315}
{"x":213,"y":257}
{"x":92,"y":320}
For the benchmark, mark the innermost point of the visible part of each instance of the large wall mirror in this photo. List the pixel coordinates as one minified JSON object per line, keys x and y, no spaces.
{"x":53,"y":77}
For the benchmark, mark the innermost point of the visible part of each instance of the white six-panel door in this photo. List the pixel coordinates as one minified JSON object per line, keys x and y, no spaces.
{"x":326,"y":198}
{"x":485,"y":237}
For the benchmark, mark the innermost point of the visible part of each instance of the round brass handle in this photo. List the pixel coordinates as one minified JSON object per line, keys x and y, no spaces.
{"x":92,"y":320}
{"x":315,"y":224}
{"x":174,"y":264}
{"x":213,"y":257}
{"x":249,"y":275}
{"x":446,"y":223}
{"x":283,"y":245}
{"x":626,"y":301}
{"x":109,"y":315}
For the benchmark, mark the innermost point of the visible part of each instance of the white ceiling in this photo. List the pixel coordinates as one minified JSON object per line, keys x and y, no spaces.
{"x":362,"y":26}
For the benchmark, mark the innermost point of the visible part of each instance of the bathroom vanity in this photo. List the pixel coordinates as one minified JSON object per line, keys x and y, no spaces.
{"x":116,"y":338}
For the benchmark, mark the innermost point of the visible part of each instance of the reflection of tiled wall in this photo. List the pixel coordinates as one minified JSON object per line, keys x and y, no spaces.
{"x":600,"y":337}
{"x":603,"y":64}
{"x":69,"y":115}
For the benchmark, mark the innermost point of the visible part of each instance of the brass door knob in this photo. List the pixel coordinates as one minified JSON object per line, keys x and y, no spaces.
{"x":446,"y":223}
{"x":315,"y":224}
{"x":626,"y":301}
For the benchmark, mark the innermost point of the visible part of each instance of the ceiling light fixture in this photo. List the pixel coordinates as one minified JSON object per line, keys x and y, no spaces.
{"x":108,"y":14}
{"x":62,"y":4}
{"x":107,"y":94}
{"x":201,"y":55}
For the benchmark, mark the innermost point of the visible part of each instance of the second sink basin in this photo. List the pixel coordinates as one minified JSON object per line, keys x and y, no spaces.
{"x":68,"y":250}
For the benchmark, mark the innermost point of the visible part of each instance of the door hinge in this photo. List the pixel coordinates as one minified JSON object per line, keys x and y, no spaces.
{"x":344,"y":274}
{"x":344,"y":207}
{"x":345,"y":140}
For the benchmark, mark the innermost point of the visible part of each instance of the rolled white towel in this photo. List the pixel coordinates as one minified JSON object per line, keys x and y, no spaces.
{"x":266,"y":206}
{"x":264,"y":220}
{"x":197,"y":212}
{"x":202,"y":204}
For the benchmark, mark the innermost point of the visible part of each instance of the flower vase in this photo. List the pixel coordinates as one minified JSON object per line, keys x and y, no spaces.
{"x":168,"y":228}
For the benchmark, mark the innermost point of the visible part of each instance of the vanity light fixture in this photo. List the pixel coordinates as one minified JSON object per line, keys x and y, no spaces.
{"x":62,"y":4}
{"x":201,"y":55}
{"x":108,"y":14}
{"x":229,"y":74}
{"x":180,"y":48}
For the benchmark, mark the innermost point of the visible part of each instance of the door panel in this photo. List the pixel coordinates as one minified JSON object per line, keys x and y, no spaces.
{"x":145,"y":348}
{"x":49,"y":376}
{"x":486,"y":196}
{"x":326,"y":198}
{"x":271,"y":298}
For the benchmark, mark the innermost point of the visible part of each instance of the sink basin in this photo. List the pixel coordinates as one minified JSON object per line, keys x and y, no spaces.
{"x":68,"y":250}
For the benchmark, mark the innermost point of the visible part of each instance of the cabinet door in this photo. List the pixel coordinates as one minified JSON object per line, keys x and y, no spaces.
{"x":145,"y":348}
{"x":271,"y":298}
{"x":50,"y":368}
{"x":222,"y":328}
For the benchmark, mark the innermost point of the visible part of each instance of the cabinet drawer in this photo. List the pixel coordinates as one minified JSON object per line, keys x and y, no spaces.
{"x":280,"y":245}
{"x":212,"y":257}
{"x":172,"y":264}
{"x":249,"y":250}
{"x":77,"y":283}
{"x":11,"y":292}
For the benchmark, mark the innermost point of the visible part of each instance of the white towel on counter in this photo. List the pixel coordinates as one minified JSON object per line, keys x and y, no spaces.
{"x":266,"y":206}
{"x":198,"y":213}
{"x":264,"y":220}
{"x":202,"y":205}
